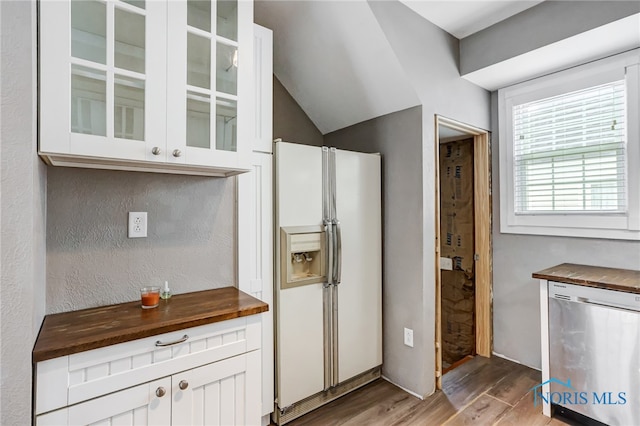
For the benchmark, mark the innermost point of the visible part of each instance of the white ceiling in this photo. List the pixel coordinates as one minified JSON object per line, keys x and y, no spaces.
{"x":462,"y":18}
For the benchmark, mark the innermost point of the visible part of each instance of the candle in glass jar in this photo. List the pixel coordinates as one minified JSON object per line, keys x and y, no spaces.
{"x":149,"y":297}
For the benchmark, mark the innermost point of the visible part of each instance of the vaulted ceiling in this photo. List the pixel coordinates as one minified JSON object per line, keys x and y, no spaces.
{"x":336,"y":62}
{"x":334,"y":59}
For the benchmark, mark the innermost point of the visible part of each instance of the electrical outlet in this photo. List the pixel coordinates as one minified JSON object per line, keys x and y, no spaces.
{"x":446,"y":264}
{"x":137,"y":224}
{"x":408,"y":337}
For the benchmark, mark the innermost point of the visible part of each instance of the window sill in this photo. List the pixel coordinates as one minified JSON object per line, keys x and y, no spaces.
{"x":609,"y":234}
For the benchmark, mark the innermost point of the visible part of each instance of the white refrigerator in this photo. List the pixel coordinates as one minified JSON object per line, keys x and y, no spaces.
{"x":328,"y":287}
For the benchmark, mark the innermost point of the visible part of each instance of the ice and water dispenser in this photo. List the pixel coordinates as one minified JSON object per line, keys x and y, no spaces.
{"x":303,"y":256}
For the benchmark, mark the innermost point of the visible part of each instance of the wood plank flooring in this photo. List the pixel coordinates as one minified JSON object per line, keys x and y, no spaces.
{"x":482,"y":391}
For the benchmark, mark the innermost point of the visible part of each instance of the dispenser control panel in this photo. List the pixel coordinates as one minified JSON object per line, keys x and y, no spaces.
{"x":303,"y":256}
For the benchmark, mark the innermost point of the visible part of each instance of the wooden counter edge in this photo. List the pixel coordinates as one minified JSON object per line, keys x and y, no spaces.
{"x":574,"y":278}
{"x":39,"y":355}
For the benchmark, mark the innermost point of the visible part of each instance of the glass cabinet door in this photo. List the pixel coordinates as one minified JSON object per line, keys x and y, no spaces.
{"x":212,"y":32}
{"x":109,"y":74}
{"x":206,"y":54}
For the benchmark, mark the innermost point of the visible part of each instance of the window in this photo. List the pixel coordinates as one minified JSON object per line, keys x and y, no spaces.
{"x":570,"y":154}
{"x":569,"y":151}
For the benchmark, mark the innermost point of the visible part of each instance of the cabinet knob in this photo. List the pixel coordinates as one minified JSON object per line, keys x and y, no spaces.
{"x":156,"y":150}
{"x":160,"y":392}
{"x":177,"y":153}
{"x":183,"y":384}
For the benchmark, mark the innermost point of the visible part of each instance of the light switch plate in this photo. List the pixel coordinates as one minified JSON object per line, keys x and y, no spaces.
{"x":408,"y":337}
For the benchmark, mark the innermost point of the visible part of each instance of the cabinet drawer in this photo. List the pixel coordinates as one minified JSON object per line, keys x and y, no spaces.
{"x":139,"y":405}
{"x":74,"y":378}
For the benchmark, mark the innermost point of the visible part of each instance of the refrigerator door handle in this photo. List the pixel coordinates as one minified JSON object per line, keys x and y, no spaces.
{"x":337,"y":260}
{"x":332,"y":184}
{"x":335,"y":364}
{"x":330,"y":256}
{"x":327,"y":335}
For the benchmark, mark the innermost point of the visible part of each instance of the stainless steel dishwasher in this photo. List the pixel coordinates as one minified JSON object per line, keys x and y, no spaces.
{"x":594,"y":342}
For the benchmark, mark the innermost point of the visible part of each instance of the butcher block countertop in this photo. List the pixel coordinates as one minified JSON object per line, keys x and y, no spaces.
{"x":593,"y":276}
{"x":72,"y":332}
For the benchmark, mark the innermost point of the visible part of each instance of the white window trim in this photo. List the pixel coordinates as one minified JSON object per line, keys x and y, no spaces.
{"x":610,"y":226}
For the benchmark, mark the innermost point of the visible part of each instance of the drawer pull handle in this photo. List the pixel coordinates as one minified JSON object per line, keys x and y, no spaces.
{"x":160,"y":392}
{"x":183,"y":384}
{"x":182,"y":339}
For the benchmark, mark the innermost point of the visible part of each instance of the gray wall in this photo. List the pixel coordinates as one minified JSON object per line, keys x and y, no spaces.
{"x":398,"y":137}
{"x":429,"y":56}
{"x":290,"y":122}
{"x":22,"y":190}
{"x":546,"y":23}
{"x":516,"y":305}
{"x":91,"y":262}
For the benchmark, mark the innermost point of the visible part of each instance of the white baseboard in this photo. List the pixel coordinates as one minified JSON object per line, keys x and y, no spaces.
{"x":514,"y":360}
{"x":403,"y":388}
{"x":266,"y":420}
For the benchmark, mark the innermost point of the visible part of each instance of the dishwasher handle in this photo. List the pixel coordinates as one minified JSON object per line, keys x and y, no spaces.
{"x":608,"y":305}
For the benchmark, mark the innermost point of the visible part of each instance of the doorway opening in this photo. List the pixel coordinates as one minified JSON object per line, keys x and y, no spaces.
{"x":463,"y":245}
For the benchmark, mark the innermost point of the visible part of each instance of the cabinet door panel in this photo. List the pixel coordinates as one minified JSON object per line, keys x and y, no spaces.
{"x":263,"y":89}
{"x":102,"y":79}
{"x":219,"y":393}
{"x":134,"y":406}
{"x":209,"y":94}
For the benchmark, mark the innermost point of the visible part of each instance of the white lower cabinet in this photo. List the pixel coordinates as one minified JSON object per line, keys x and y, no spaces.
{"x":222,"y":393}
{"x":211,"y":378}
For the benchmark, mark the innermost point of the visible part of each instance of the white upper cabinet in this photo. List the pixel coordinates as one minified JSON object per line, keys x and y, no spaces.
{"x":263,"y":88}
{"x":147,"y":85}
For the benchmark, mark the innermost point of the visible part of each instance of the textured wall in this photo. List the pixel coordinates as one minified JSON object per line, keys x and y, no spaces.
{"x":516,"y":303}
{"x":398,"y":137}
{"x":429,"y":56}
{"x":90,"y":260}
{"x":22,"y":188}
{"x":290,"y":122}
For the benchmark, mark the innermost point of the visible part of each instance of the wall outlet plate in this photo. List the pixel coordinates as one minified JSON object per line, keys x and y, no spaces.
{"x":446,"y":264}
{"x":137,"y":224}
{"x":408,"y":337}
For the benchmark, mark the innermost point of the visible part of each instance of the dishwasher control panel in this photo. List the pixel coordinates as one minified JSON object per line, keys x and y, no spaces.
{"x":594,"y":296}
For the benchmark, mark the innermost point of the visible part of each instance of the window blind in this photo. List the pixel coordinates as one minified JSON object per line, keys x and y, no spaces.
{"x":569,"y":152}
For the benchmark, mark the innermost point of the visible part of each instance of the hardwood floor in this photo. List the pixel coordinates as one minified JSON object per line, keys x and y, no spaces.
{"x":479,"y":392}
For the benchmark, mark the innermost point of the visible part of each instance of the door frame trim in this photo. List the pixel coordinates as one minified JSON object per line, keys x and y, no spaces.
{"x":482,"y":231}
